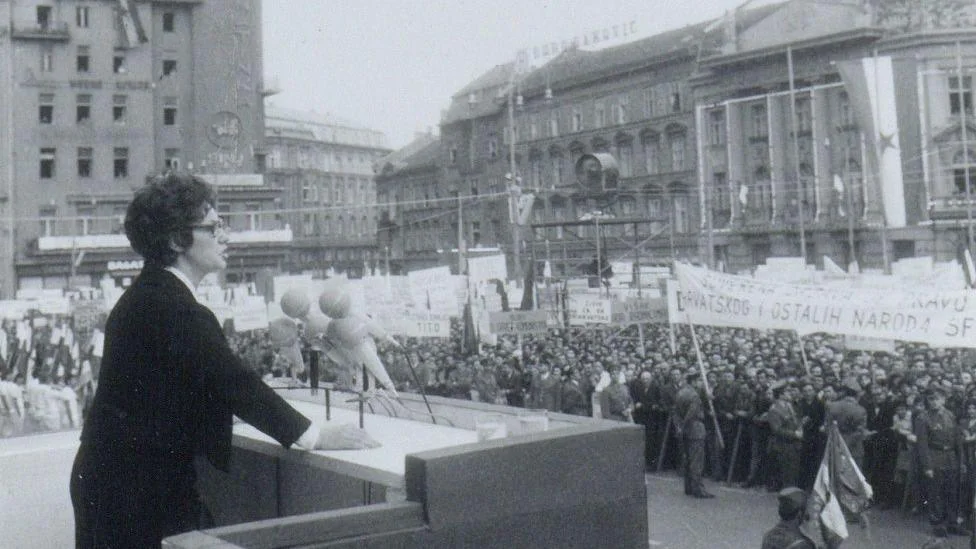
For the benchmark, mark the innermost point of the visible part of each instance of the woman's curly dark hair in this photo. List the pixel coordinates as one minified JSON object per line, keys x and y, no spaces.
{"x":162,"y":212}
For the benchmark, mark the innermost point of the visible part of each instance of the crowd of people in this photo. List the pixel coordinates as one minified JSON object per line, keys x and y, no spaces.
{"x":757,"y":418}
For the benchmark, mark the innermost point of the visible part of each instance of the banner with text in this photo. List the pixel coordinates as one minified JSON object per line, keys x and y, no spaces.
{"x":519,"y":322}
{"x":946,"y":319}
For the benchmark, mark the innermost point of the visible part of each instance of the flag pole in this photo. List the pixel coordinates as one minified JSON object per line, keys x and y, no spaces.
{"x":800,"y":194}
{"x":708,"y":390}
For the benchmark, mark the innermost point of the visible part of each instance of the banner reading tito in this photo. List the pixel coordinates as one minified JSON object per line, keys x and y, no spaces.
{"x":943,"y":319}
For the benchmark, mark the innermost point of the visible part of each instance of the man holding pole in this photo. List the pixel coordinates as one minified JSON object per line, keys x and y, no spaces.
{"x":688,"y":420}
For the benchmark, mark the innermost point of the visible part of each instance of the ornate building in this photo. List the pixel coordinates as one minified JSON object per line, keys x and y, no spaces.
{"x":838,"y":130}
{"x":414,"y":215}
{"x":325,"y":167}
{"x":98,"y":95}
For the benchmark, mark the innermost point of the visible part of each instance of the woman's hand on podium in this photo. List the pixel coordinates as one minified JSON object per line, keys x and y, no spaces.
{"x":344,"y":436}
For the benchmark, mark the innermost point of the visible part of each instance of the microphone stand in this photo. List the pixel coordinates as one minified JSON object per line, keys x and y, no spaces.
{"x":420,"y":386}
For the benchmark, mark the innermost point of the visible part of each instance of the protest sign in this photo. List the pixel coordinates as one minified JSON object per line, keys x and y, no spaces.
{"x":945,"y":319}
{"x":518,"y":322}
{"x":639,"y":310}
{"x":588,"y":310}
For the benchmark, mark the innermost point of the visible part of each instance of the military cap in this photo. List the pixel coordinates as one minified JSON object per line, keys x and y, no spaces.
{"x":791,"y":501}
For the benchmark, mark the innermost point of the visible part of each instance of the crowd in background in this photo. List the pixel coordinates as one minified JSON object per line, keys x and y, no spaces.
{"x":771,"y":395}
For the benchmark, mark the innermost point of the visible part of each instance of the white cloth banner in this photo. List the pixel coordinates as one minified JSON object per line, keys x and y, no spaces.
{"x":942,"y":319}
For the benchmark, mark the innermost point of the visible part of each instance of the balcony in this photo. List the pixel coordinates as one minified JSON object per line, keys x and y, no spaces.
{"x":49,"y":31}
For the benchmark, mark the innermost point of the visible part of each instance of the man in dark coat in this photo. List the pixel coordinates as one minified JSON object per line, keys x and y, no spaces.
{"x":688,"y":417}
{"x":645,"y":396}
{"x":170,"y":385}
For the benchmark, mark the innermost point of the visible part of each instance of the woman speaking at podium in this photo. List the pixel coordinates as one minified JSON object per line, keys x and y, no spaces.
{"x":170,"y":385}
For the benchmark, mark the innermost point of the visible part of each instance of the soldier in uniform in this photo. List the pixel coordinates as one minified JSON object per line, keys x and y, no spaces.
{"x":851,"y":418}
{"x":688,"y":417}
{"x":787,"y":534}
{"x":785,"y":439}
{"x":939,"y":451}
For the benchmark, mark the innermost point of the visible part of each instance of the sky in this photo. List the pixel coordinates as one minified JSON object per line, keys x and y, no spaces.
{"x":392,"y":65}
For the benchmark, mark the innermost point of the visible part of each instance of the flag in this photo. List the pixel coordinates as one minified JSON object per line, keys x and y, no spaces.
{"x":840,"y":491}
{"x":832,"y":268}
{"x":469,"y":343}
{"x":528,"y":296}
{"x":133,"y":33}
{"x":870,"y":84}
{"x":524,"y":205}
{"x":966,"y":258}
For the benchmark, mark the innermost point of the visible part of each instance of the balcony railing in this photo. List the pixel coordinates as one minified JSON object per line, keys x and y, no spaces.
{"x":954,"y":205}
{"x":50,"y":31}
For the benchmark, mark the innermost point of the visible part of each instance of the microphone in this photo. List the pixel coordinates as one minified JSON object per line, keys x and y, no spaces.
{"x":284,"y":336}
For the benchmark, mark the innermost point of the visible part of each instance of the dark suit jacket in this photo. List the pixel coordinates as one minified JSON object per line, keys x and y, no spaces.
{"x":168,"y":389}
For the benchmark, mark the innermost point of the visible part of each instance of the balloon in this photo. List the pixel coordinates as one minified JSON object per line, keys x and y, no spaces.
{"x":295,"y":303}
{"x":316,"y":324}
{"x":334,"y":300}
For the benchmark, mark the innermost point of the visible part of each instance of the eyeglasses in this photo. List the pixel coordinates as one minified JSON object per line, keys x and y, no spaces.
{"x":214,"y":227}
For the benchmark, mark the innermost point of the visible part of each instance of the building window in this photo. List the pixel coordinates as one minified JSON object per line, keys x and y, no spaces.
{"x":47,"y":164}
{"x":169,"y":67}
{"x":47,"y":59}
{"x":120,"y":163}
{"x":674,"y":97}
{"x":47,"y":215}
{"x":625,"y":157}
{"x":681,"y":220}
{"x":960,"y":94}
{"x":600,"y":113}
{"x":81,"y":16}
{"x":118,"y":64}
{"x":649,"y":98}
{"x":169,"y":21}
{"x":85,"y":161}
{"x":677,"y":144}
{"x":577,"y":121}
{"x":620,"y":112}
{"x":651,"y":163}
{"x":493,"y":148}
{"x":119,"y":108}
{"x":82,"y":60}
{"x":83,"y":220}
{"x":716,"y":127}
{"x":533,"y":128}
{"x":454,"y":155}
{"x":45,"y":108}
{"x":804,"y":115}
{"x":556,"y":164}
{"x":169,"y":112}
{"x":844,"y":113}
{"x":760,"y":125}
{"x":171,"y":159}
{"x":43,"y":17}
{"x":252,"y":217}
{"x":83,"y":108}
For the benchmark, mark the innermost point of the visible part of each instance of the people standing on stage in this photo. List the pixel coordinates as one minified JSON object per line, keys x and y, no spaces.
{"x":688,"y":418}
{"x":169,"y":384}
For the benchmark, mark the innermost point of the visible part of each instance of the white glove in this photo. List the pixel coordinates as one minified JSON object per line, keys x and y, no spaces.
{"x":344,"y":437}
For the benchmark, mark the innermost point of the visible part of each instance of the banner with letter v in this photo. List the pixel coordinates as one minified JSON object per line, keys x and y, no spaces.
{"x":943,"y":319}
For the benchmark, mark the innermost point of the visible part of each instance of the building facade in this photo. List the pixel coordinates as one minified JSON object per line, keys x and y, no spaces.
{"x":97,"y":95}
{"x":414,"y":213}
{"x":325,"y":168}
{"x":838,"y":131}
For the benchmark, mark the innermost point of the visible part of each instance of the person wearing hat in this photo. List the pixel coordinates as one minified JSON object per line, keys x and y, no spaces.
{"x":939,"y":449}
{"x":688,"y":417}
{"x":787,"y":534}
{"x":785,"y":439}
{"x":851,"y":418}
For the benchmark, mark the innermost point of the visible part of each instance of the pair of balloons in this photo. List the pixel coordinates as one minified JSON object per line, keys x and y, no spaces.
{"x":349,"y":337}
